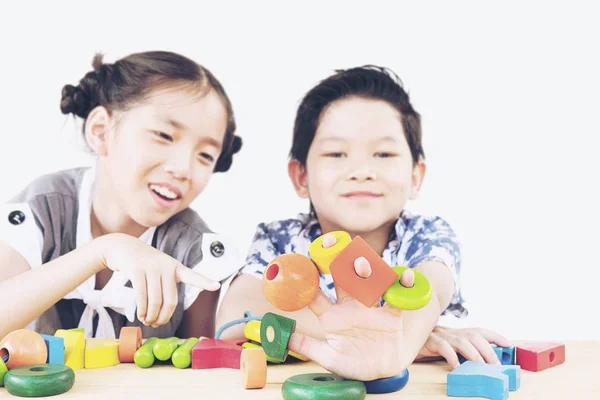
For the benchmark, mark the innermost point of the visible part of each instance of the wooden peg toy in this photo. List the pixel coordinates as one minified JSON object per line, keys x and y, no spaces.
{"x":252,"y":345}
{"x":537,"y":357}
{"x":387,"y":385}
{"x":23,"y":347}
{"x":477,"y":379}
{"x":252,"y":333}
{"x":130,"y":339}
{"x":323,"y":255}
{"x":216,"y":353}
{"x":366,"y":290}
{"x":322,"y":386}
{"x":56,"y":349}
{"x":101,"y":353}
{"x":290,"y":282}
{"x":74,"y":347}
{"x":144,"y":356}
{"x":39,"y":380}
{"x":3,"y":371}
{"x":253,"y":365}
{"x":182,"y":356}
{"x":409,"y":298}
{"x":275,"y":333}
{"x":163,"y":348}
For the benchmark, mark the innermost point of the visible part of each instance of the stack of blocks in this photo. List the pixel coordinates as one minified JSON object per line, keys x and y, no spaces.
{"x":478,"y":379}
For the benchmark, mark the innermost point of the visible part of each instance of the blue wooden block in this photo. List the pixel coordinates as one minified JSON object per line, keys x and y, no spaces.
{"x":387,"y":385}
{"x":56,"y":349}
{"x":476,"y":379}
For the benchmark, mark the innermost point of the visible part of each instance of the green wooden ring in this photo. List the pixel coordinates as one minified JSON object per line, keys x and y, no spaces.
{"x":39,"y":380}
{"x":3,"y":371}
{"x":282,"y":328}
{"x":411,"y":298}
{"x":322,"y":386}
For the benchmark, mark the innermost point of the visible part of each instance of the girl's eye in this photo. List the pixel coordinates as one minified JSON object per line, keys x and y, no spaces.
{"x":164,"y":136}
{"x":385,"y":155}
{"x":207,"y":157}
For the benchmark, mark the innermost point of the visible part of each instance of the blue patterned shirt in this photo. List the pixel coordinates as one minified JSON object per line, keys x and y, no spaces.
{"x":414,"y":240}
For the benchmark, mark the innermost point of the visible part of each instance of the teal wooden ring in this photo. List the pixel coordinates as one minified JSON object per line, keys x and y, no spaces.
{"x":39,"y":380}
{"x":322,"y":386}
{"x":411,"y":298}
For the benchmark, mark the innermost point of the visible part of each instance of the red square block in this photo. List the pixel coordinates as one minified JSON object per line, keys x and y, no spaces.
{"x":366,"y":290}
{"x":540,"y":356}
{"x":216,"y":353}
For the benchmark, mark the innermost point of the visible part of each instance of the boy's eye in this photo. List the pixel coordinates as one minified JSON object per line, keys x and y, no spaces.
{"x":334,"y":155}
{"x":164,"y":136}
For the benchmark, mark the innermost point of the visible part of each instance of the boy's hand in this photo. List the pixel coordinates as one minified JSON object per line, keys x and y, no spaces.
{"x":153,"y":274}
{"x":472,"y":343}
{"x":360,"y":342}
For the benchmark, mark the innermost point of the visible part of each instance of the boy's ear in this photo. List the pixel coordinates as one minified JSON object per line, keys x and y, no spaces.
{"x":418,"y":175}
{"x":96,"y":127}
{"x":297,"y":173}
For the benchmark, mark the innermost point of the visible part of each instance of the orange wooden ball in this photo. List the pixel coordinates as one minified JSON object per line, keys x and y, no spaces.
{"x":290,"y":282}
{"x":24,"y":347}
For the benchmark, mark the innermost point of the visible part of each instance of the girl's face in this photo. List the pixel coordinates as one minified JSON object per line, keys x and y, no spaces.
{"x":157,"y":157}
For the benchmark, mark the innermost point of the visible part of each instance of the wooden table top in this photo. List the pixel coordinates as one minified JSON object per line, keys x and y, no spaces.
{"x":577,"y":379}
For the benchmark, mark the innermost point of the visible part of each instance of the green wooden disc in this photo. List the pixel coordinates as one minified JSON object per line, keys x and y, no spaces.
{"x":322,"y":386}
{"x":39,"y":380}
{"x":411,"y":298}
{"x":275,"y":333}
{"x":3,"y":371}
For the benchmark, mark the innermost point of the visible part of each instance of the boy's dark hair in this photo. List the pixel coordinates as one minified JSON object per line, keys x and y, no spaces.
{"x":117,"y":86}
{"x":370,"y":82}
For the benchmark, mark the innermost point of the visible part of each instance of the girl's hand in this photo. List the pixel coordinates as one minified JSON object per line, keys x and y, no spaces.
{"x":153,"y":274}
{"x":472,"y":343}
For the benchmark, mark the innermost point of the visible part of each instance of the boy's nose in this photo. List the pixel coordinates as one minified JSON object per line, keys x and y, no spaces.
{"x":363,"y":173}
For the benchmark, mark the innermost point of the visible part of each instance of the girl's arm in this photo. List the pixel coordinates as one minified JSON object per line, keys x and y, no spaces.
{"x":27,"y":293}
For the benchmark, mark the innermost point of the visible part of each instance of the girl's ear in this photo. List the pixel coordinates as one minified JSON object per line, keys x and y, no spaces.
{"x":418,"y":175}
{"x":297,"y":173}
{"x":96,"y":127}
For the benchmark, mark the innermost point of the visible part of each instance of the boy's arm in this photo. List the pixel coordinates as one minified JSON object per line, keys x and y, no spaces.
{"x":419,"y":324}
{"x":245,"y":294}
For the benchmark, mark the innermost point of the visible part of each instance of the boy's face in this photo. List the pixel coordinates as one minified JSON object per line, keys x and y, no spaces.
{"x":162,"y":153}
{"x":359,"y":171}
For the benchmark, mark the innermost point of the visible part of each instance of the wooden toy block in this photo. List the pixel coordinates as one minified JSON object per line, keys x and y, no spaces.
{"x":477,"y":379}
{"x":409,"y":298}
{"x":506,"y":355}
{"x":101,"y":353}
{"x":182,"y":356}
{"x":144,"y":356}
{"x":163,"y":348}
{"x":3,"y":371}
{"x":23,"y":347}
{"x":253,"y":364}
{"x":39,"y":380}
{"x":56,"y":349}
{"x":366,"y":290}
{"x":322,"y":386}
{"x":324,"y":256}
{"x":252,"y":333}
{"x":387,"y":385}
{"x":290,"y":282}
{"x":537,"y":357}
{"x":216,"y":353}
{"x":74,"y":348}
{"x":252,"y":345}
{"x":275,"y":333}
{"x":130,"y":339}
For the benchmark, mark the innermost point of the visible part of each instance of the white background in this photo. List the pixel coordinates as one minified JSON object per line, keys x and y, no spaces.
{"x":509,"y":95}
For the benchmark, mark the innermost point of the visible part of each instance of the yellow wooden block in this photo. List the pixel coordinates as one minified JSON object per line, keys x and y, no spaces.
{"x":101,"y":353}
{"x":324,"y":256}
{"x":74,"y":347}
{"x":252,"y":332}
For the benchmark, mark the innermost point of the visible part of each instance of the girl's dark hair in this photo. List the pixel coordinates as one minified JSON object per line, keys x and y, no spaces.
{"x":368,"y":82}
{"x":117,"y":86}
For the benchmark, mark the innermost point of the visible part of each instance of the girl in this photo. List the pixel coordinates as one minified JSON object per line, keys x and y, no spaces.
{"x":86,"y":247}
{"x":357,"y":156}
